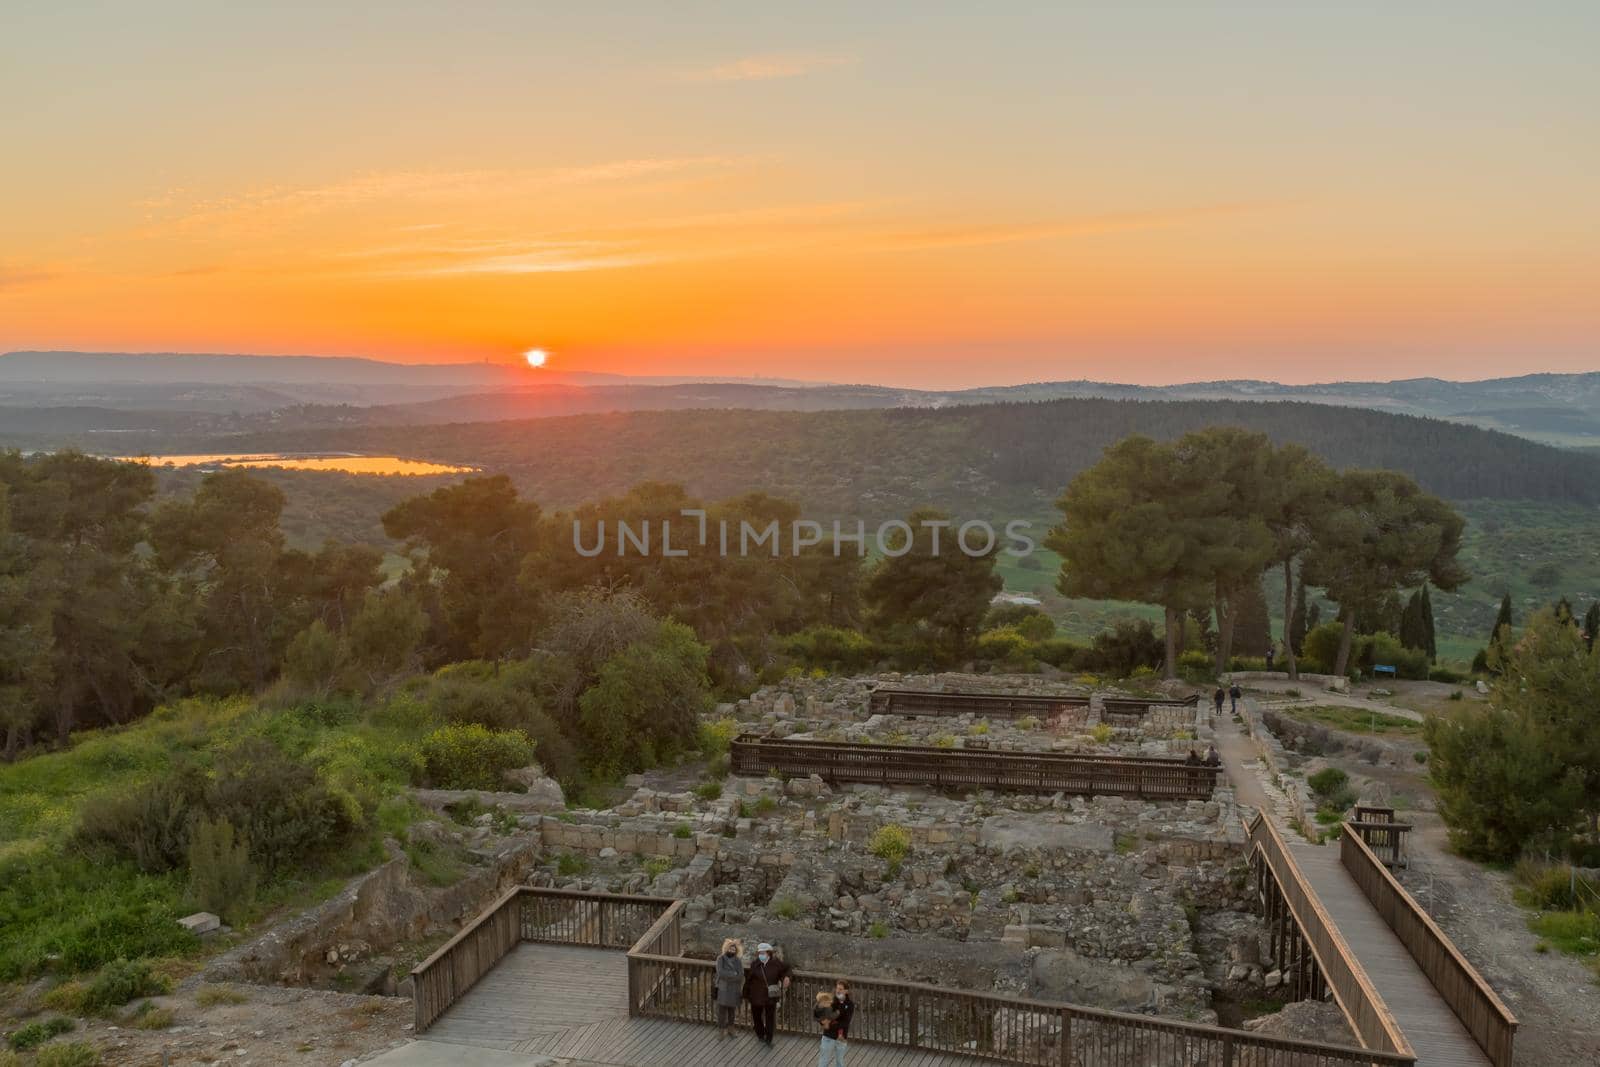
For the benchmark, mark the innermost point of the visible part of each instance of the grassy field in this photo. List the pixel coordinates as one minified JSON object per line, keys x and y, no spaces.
{"x":1354,"y":720}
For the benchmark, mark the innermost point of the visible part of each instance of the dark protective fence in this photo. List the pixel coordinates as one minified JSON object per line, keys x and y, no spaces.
{"x":932,"y":703}
{"x":952,"y":768}
{"x":932,"y":1019}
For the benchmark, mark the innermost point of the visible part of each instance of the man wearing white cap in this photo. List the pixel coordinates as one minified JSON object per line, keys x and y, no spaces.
{"x":763,"y":988}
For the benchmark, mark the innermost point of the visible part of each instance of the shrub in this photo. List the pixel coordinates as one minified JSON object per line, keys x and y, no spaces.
{"x":766,"y":805}
{"x":834,"y":648}
{"x":1058,"y":652}
{"x":149,"y":825}
{"x":1196,"y":665}
{"x":891,"y":842}
{"x":708,"y":790}
{"x":1005,"y":645}
{"x":1127,"y":646}
{"x":150,"y":1017}
{"x":472,"y":756}
{"x":944,"y":741}
{"x":570,"y":864}
{"x":786,"y":908}
{"x":1446,"y":675}
{"x":212,"y":995}
{"x":36,"y":1034}
{"x":656,"y":866}
{"x":1321,"y":647}
{"x":1328,"y":781}
{"x":221,"y":877}
{"x":68,"y":1054}
{"x":878,"y":931}
{"x":683,"y":831}
{"x":1101,"y":733}
{"x":68,"y":997}
{"x":280,"y":805}
{"x":121,"y":981}
{"x":1550,"y":887}
{"x":9,"y":1058}
{"x":716,"y":737}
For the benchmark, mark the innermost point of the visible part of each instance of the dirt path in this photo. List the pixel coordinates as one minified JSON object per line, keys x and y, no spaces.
{"x":1554,"y":997}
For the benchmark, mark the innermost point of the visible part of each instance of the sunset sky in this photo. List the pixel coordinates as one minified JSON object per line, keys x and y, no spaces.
{"x":919,"y":194}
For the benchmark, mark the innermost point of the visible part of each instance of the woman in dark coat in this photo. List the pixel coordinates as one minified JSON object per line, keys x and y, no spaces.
{"x":763,"y":988}
{"x":730,"y":984}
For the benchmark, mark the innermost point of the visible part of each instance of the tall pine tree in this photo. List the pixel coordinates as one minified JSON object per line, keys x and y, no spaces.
{"x":1591,"y":623}
{"x":1412,"y":632}
{"x":1502,"y":628}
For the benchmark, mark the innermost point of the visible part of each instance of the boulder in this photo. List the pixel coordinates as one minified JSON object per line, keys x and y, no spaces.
{"x":200,"y":923}
{"x":540,"y":787}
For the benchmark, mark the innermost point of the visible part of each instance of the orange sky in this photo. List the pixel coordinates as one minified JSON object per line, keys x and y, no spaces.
{"x":914,"y":194}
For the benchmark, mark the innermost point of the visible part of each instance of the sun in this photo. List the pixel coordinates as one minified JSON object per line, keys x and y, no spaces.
{"x":535,"y":357}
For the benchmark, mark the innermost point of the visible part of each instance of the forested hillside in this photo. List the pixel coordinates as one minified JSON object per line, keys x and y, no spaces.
{"x":971,"y":460}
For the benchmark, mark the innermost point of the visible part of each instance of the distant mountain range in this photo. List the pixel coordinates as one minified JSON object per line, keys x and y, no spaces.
{"x":52,"y":397}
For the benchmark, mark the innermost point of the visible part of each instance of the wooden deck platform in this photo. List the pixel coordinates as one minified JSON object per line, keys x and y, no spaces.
{"x":572,"y":1003}
{"x":1435,"y":1033}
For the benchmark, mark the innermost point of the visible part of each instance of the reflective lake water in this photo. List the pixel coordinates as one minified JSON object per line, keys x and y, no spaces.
{"x":343,"y":463}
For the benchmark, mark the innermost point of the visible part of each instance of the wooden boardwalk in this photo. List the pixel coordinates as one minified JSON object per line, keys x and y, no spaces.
{"x":572,"y":1003}
{"x":1435,"y":1033}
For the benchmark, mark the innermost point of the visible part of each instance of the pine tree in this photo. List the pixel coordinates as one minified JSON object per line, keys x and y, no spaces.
{"x":1313,"y":619}
{"x":1297,"y":620}
{"x":1564,"y":612}
{"x":1591,"y":623}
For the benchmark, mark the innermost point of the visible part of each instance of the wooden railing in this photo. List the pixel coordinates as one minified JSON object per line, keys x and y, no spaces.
{"x":950,"y":768}
{"x":929,"y":702}
{"x":594,"y":920}
{"x":1382,"y":832}
{"x":1485,"y":1016}
{"x":1138,"y":704}
{"x":1372,"y":1020}
{"x":663,"y":984}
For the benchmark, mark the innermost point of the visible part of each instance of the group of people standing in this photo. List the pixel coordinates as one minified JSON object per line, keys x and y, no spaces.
{"x":763,"y":984}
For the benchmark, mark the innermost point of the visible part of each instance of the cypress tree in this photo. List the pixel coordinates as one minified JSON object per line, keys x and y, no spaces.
{"x":1564,"y":612}
{"x":1412,"y":634}
{"x":1591,"y":623}
{"x":1252,"y":628}
{"x":1313,"y":618}
{"x":1297,"y":620}
{"x":1427,"y":625}
{"x":1501,"y":620}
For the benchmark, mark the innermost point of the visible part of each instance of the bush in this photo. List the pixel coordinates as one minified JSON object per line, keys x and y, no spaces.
{"x":1196,"y":665}
{"x":68,"y":1054}
{"x":504,"y":705}
{"x":121,"y":981}
{"x":278,"y":804}
{"x":212,"y":995}
{"x":1328,"y":781}
{"x":1385,"y":648}
{"x":1005,"y":645}
{"x":1549,"y":887}
{"x":150,"y":1017}
{"x":832,"y":648}
{"x":1058,"y":652}
{"x":708,"y":790}
{"x":1446,"y":675}
{"x":1127,"y":646}
{"x":472,"y":756}
{"x":890,"y":842}
{"x":221,"y":877}
{"x":149,"y":825}
{"x":36,"y":1034}
{"x":1321,"y":647}
{"x":1102,"y":733}
{"x":786,"y":908}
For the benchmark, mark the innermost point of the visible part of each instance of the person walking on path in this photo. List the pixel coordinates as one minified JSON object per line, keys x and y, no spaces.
{"x":1218,"y":697}
{"x":834,"y":1039}
{"x":729,"y":988}
{"x":1235,"y":694}
{"x":764,"y":984}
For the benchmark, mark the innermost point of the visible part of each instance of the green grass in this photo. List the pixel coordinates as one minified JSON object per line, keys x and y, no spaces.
{"x":64,"y":910}
{"x":1354,"y":720}
{"x":1577,"y":933}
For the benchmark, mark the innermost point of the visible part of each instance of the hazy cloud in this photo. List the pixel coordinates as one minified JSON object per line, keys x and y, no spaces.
{"x":765,"y":68}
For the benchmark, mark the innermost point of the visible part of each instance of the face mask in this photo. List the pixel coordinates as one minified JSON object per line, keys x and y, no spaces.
{"x":732,"y":953}
{"x":763,"y":957}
